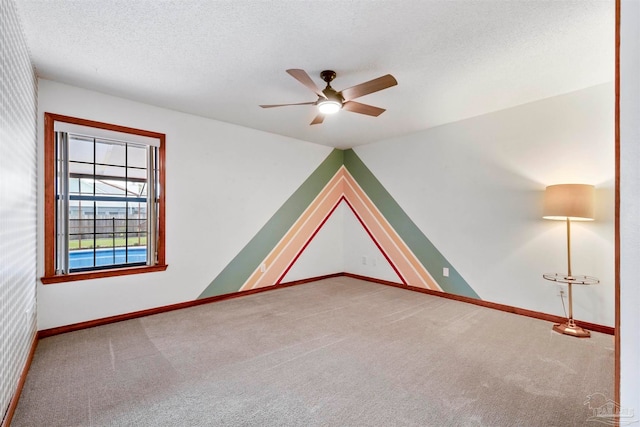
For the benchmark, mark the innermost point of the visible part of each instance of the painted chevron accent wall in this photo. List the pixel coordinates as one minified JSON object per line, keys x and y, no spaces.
{"x":341,"y":178}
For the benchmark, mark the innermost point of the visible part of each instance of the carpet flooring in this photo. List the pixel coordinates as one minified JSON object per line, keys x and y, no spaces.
{"x":336,"y":352}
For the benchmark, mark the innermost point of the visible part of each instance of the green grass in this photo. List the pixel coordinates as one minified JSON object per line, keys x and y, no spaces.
{"x":107,"y":243}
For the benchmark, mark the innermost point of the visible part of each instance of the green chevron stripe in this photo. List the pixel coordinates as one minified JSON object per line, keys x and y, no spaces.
{"x":236,"y":273}
{"x":419,"y":244}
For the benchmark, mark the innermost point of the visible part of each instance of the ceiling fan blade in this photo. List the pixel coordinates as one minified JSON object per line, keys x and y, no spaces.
{"x":369,"y":87}
{"x":356,"y":107}
{"x":319,"y":119}
{"x":286,"y":105}
{"x":303,"y":77}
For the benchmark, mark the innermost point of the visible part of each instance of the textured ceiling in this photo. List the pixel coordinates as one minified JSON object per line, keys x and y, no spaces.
{"x":221,"y":59}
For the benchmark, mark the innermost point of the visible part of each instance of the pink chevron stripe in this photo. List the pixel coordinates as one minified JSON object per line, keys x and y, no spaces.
{"x":288,"y":247}
{"x":309,"y":241}
{"x":341,"y":187}
{"x":408,"y":264}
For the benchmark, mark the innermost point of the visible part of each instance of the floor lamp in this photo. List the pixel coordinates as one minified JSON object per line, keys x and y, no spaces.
{"x":570,"y":202}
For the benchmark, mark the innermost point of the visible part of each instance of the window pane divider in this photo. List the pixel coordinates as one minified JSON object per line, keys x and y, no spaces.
{"x":108,"y":198}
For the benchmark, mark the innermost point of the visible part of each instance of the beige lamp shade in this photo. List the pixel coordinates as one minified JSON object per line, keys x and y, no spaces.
{"x":572,"y":201}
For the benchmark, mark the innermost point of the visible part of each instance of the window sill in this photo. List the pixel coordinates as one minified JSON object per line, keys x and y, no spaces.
{"x":72,"y":277}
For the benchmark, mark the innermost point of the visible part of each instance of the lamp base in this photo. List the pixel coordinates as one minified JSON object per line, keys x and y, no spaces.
{"x":570,"y":328}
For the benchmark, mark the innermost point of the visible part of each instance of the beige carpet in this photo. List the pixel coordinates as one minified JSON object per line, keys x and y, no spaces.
{"x":337,"y":352}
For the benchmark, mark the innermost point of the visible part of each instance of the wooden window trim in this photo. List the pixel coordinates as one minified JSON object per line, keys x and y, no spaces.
{"x":50,"y":202}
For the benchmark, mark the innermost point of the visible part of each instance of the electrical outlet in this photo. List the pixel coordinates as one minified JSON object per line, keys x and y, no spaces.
{"x":561,"y":293}
{"x":263,"y":267}
{"x":364,"y":260}
{"x":445,"y":271}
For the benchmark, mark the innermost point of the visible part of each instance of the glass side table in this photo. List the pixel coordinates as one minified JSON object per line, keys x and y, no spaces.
{"x":570,"y":327}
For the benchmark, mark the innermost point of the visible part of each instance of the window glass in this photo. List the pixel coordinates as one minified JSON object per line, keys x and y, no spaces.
{"x":111,"y":187}
{"x":136,"y":156}
{"x":110,"y":153}
{"x":80,"y":168}
{"x":80,"y":149}
{"x":109,"y":171}
{"x":136,"y":188}
{"x":137,"y":173}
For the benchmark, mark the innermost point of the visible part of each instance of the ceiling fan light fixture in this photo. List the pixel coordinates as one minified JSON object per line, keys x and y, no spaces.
{"x":330,"y":101}
{"x":329,"y":106}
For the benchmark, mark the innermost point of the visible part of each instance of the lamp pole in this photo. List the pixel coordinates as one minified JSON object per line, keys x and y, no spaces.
{"x":569,"y":276}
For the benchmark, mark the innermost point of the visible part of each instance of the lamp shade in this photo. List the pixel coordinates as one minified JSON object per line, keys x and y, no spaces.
{"x":572,"y":201}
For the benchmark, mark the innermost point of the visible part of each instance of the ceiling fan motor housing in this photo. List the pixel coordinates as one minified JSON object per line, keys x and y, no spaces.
{"x":329,"y":92}
{"x":328,"y":75}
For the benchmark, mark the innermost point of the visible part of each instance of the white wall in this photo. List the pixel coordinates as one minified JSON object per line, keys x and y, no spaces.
{"x":475,"y":189}
{"x":630,"y":207}
{"x":223,"y":183}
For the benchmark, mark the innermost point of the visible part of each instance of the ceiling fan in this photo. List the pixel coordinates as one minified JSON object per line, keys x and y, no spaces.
{"x":331,"y":101}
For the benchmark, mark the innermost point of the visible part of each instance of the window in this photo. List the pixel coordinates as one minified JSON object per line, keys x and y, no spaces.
{"x":104,"y":200}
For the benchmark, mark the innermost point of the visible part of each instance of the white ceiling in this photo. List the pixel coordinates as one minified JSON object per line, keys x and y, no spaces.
{"x":221,"y":59}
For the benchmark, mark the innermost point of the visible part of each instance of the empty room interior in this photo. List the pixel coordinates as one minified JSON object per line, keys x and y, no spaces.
{"x":312,"y":213}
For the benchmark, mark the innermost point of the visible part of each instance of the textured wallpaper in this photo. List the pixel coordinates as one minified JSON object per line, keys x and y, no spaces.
{"x":18,"y":98}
